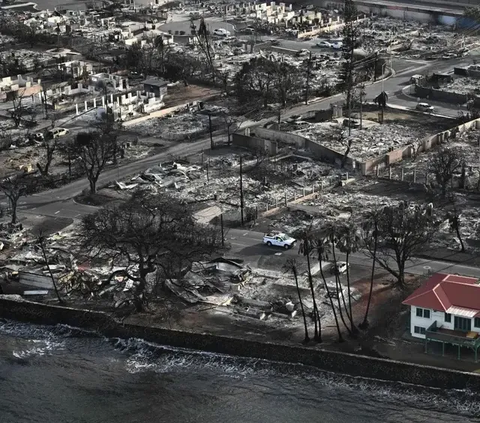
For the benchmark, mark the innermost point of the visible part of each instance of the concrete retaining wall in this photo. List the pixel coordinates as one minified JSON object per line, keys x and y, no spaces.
{"x":440,"y":95}
{"x":351,"y":364}
{"x":317,"y":150}
{"x":326,"y":154}
{"x":278,"y":136}
{"x":366,"y":167}
{"x":254,"y":143}
{"x":407,"y":151}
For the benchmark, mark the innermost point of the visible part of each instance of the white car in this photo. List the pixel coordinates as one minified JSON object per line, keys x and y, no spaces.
{"x":339,"y":268}
{"x":324,"y":44}
{"x":57,"y":132}
{"x":221,"y":32}
{"x":279,"y":240}
{"x":425,"y":107}
{"x":337,"y":45}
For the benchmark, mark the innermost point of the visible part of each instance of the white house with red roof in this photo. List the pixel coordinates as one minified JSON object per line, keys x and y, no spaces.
{"x":446,"y":309}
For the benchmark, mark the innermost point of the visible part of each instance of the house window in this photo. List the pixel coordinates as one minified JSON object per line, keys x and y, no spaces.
{"x":422,"y":312}
{"x":448,"y":317}
{"x":477,"y":322}
{"x":420,"y":330}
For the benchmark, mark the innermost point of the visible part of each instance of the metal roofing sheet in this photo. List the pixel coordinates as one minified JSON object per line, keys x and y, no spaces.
{"x":462,"y":312}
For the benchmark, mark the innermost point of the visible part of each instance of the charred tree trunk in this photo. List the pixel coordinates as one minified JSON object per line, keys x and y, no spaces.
{"x":337,"y":323}
{"x":365,"y":324}
{"x":352,"y":325}
{"x":307,"y":338}
{"x":318,"y":327}
{"x":339,"y":290}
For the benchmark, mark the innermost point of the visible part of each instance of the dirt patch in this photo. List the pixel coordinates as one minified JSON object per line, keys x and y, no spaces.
{"x":415,"y":120}
{"x":180,"y":94}
{"x":389,"y":318}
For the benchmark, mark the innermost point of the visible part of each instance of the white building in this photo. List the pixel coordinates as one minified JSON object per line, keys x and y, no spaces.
{"x":446,"y":309}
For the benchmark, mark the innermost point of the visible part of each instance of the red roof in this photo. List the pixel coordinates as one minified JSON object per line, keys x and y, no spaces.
{"x":441,"y":292}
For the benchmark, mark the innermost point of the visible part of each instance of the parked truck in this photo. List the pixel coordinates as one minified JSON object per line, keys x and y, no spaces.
{"x":279,"y":240}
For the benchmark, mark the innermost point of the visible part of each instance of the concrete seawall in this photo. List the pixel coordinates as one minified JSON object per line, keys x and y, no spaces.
{"x":355,"y":365}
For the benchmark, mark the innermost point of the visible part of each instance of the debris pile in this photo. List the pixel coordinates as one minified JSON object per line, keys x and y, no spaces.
{"x":371,"y":141}
{"x":213,"y":282}
{"x":462,"y":85}
{"x":265,"y":181}
{"x":467,"y":143}
{"x":357,"y":198}
{"x":415,"y":40}
{"x":181,"y":126}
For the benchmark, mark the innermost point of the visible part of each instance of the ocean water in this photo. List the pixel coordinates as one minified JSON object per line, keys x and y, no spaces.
{"x":65,"y":375}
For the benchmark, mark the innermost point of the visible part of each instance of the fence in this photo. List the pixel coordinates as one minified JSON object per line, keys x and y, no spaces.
{"x":403,"y":174}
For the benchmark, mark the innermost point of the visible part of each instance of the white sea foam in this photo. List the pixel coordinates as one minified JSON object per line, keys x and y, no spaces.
{"x":142,"y":356}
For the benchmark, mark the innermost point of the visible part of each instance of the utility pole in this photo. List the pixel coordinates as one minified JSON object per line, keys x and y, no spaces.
{"x":221,"y":227}
{"x":384,"y":67}
{"x":241,"y":190}
{"x":362,"y":95}
{"x":307,"y":87}
{"x":212,"y":145}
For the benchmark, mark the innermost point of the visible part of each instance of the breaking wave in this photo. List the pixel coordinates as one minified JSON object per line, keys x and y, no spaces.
{"x":142,"y":356}
{"x":146,"y":356}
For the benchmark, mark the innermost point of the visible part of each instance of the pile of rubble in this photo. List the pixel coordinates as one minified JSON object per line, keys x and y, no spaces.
{"x":462,"y":85}
{"x":415,"y":40}
{"x":218,"y":180}
{"x":192,"y":184}
{"x":181,"y":126}
{"x":27,"y":59}
{"x":467,"y":143}
{"x":353,"y":201}
{"x":371,"y":141}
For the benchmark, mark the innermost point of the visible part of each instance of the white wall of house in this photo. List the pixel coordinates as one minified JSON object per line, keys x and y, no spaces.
{"x":439,"y":317}
{"x":420,"y":322}
{"x":435,"y":316}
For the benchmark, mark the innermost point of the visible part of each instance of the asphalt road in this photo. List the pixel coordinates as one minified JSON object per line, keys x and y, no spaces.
{"x":249,"y":245}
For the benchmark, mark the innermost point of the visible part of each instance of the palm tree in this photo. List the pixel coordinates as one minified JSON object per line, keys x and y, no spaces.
{"x":331,"y":237}
{"x":321,"y":247}
{"x":305,"y":248}
{"x":291,"y":265}
{"x":348,"y":243}
{"x":370,"y":229}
